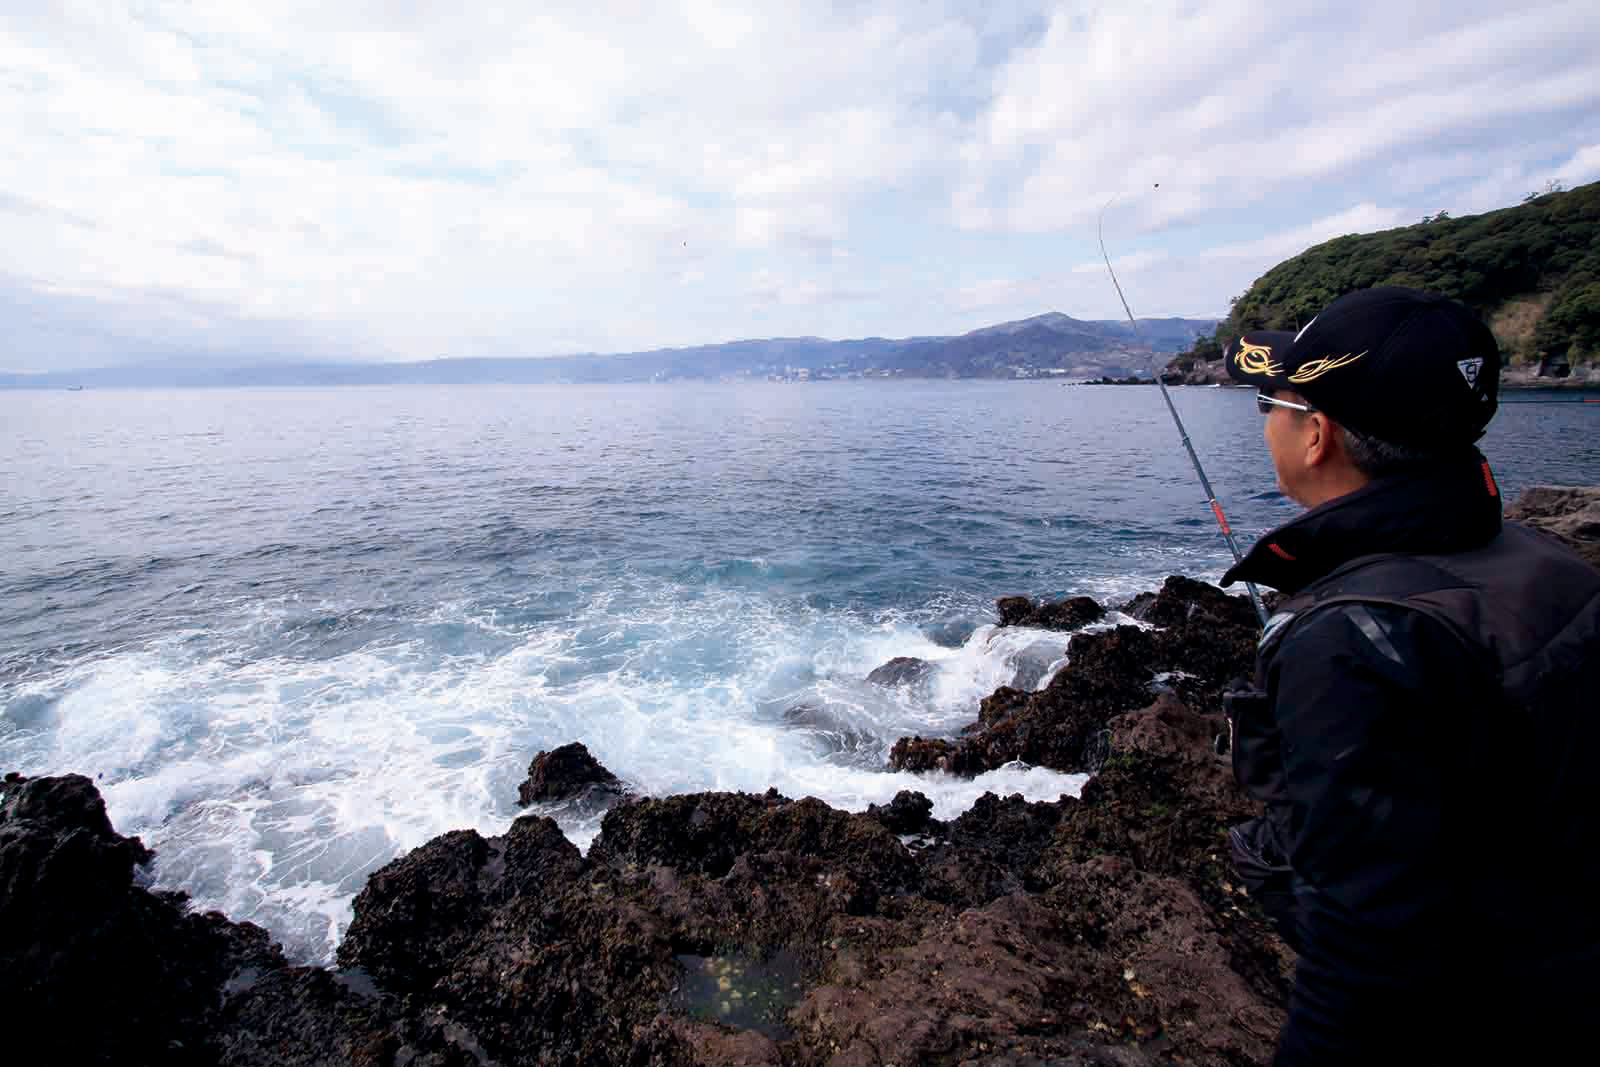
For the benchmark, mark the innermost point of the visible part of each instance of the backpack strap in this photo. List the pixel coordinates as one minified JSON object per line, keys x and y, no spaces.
{"x":1361,"y":583}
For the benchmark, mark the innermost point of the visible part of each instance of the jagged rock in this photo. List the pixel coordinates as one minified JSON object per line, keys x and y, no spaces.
{"x":1063,"y":615}
{"x":1099,"y":930}
{"x":675,"y":1042}
{"x":986,"y":979}
{"x":902,"y":670}
{"x":1183,"y":600}
{"x":105,"y":971}
{"x":1139,"y":606}
{"x":990,"y":851}
{"x":1162,"y":805}
{"x":1001,"y":703}
{"x":1057,"y":726}
{"x":101,"y":970}
{"x":833,"y":732}
{"x":310,"y":1017}
{"x":928,"y":754}
{"x":418,"y":913}
{"x":1570,"y":514}
{"x":1206,"y":639}
{"x":907,"y":813}
{"x":569,"y":772}
{"x":705,"y":833}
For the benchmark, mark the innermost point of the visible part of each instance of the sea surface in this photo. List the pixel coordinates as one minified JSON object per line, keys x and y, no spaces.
{"x":293,"y":633}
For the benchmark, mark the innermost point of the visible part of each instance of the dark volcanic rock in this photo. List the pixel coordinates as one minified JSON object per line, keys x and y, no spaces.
{"x":567,"y":772}
{"x":310,"y":1017}
{"x":678,"y":1042}
{"x":705,"y":833}
{"x":1162,"y":804}
{"x":418,"y":913}
{"x":929,"y":754}
{"x":1062,"y":615}
{"x":722,"y":928}
{"x":991,"y":850}
{"x":1076,"y":928}
{"x":1001,"y":703}
{"x":103,"y":971}
{"x":1058,"y":726}
{"x":907,"y":813}
{"x":1184,"y":601}
{"x":902,"y":670}
{"x":1206,"y":639}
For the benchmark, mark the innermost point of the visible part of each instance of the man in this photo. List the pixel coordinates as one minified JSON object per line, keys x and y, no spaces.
{"x":1426,"y":708}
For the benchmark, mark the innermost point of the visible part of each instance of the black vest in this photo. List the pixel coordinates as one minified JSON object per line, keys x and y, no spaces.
{"x":1527,"y":613}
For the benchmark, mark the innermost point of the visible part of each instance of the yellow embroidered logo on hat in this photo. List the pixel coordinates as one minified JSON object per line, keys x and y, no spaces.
{"x":1256,"y":359}
{"x":1312,"y":369}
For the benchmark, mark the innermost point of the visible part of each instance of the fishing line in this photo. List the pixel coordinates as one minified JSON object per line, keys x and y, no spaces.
{"x":1205,"y":483}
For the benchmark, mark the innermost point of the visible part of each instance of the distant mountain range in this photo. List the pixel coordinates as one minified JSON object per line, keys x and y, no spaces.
{"x":1049,"y":345}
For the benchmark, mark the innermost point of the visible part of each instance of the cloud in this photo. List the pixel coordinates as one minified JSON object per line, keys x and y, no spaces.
{"x":1133,"y":261}
{"x":21,"y":205}
{"x":1270,"y":249}
{"x":1228,"y":104}
{"x":1196,"y":284}
{"x":992,"y":293}
{"x":87,"y":327}
{"x":1583,"y":167}
{"x":416,"y":179}
{"x":767,"y":287}
{"x":349,"y":163}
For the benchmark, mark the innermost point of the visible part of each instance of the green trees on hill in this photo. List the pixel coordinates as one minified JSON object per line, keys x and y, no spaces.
{"x":1573,"y":319}
{"x":1533,"y":272}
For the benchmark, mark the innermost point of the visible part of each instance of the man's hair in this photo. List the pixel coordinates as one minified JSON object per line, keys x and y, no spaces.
{"x":1377,"y":458}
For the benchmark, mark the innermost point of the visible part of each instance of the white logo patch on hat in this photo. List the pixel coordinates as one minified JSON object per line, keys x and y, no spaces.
{"x":1469,"y":370}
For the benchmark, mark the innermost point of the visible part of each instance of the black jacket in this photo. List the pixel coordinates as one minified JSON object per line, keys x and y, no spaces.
{"x":1423,"y":748}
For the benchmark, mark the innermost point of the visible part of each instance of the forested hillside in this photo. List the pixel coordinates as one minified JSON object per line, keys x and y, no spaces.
{"x":1532,"y":271}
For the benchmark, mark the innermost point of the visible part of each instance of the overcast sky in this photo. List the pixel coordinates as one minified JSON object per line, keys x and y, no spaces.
{"x":244,"y":179}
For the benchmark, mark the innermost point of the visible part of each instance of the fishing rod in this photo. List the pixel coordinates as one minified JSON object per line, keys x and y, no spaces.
{"x":1211,"y":496}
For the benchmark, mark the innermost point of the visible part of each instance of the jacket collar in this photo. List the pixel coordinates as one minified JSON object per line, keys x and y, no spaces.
{"x":1449,"y":507}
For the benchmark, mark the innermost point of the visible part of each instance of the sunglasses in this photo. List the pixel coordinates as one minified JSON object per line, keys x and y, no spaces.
{"x":1265,"y":402}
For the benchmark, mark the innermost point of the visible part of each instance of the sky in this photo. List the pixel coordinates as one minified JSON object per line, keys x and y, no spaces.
{"x":243,"y":180}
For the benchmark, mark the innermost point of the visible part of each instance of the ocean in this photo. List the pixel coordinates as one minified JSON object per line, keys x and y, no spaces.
{"x":293,"y":633}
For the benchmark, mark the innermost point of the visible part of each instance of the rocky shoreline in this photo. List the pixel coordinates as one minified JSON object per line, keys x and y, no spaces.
{"x":723,"y":929}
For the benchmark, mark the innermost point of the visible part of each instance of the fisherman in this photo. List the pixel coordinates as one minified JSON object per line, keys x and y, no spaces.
{"x":1426,"y":708}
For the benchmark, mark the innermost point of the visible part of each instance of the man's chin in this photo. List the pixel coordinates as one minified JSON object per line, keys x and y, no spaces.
{"x":1299,"y":500}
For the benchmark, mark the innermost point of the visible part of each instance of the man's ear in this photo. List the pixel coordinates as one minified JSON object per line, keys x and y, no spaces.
{"x":1321,"y":440}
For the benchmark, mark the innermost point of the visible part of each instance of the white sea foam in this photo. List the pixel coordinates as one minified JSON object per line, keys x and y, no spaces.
{"x":271,"y":783}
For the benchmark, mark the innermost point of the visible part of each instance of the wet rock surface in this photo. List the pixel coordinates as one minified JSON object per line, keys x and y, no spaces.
{"x":902,"y":670}
{"x":1200,"y":640}
{"x":101,"y":970}
{"x":724,"y":928}
{"x":569,"y":773}
{"x":907,"y":813}
{"x":829,"y":731}
{"x":1068,"y":614}
{"x":1031,"y":664}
